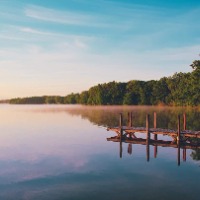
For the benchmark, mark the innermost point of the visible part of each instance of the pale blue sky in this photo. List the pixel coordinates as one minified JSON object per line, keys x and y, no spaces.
{"x":55,"y":47}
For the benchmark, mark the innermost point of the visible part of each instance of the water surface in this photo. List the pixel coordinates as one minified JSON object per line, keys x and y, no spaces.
{"x":61,"y":152}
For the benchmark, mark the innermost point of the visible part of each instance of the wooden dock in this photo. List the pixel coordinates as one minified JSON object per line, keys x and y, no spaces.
{"x":128,"y":132}
{"x":181,"y":139}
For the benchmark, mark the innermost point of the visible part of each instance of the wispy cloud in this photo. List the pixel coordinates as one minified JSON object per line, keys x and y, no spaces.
{"x":7,"y":37}
{"x":34,"y":31}
{"x":116,"y":15}
{"x":56,"y":16}
{"x":51,"y":33}
{"x":28,"y":36}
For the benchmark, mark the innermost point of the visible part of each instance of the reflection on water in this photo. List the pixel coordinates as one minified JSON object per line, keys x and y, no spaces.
{"x":167,"y":116}
{"x":59,"y":152}
{"x":155,"y":150}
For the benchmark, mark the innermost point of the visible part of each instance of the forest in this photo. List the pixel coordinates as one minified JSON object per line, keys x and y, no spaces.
{"x":180,"y":89}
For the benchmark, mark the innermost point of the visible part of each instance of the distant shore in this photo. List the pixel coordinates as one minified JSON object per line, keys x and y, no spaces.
{"x":181,"y":89}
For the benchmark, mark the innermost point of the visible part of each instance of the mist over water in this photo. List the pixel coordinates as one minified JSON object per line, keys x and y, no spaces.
{"x":62,"y":152}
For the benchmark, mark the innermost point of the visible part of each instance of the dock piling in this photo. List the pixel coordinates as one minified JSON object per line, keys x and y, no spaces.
{"x":179,"y":130}
{"x":147,"y":138}
{"x":184,"y":122}
{"x":131,"y":119}
{"x":155,"y":124}
{"x":155,"y":135}
{"x":121,"y":124}
{"x":147,"y":127}
{"x":128,"y":119}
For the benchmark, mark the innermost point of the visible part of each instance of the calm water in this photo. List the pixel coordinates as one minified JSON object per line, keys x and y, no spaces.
{"x":62,"y":152}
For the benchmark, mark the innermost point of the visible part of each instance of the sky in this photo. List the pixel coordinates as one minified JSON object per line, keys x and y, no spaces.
{"x":56,"y":47}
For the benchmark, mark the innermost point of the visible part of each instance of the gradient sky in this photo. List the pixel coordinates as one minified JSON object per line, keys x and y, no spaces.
{"x":55,"y":47}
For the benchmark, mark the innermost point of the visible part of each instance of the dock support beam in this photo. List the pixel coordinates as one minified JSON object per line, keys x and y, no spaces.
{"x":121,"y":125}
{"x":147,"y":138}
{"x":179,"y":130}
{"x":130,"y":124}
{"x":155,"y":135}
{"x":178,"y":140}
{"x":147,"y":127}
{"x":155,"y":124}
{"x":184,"y":128}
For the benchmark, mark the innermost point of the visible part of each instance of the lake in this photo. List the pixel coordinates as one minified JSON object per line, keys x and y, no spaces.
{"x":52,"y":152}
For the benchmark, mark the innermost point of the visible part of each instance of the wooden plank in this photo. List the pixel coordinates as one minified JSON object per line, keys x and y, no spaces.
{"x":121,"y":124}
{"x":187,"y":133}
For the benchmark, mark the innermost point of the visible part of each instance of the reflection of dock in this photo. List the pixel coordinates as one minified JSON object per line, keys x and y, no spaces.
{"x":181,"y":139}
{"x":156,"y":144}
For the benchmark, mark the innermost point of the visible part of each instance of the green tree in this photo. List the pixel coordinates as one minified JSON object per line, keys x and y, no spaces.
{"x":195,"y":82}
{"x":84,"y":97}
{"x":134,"y":93}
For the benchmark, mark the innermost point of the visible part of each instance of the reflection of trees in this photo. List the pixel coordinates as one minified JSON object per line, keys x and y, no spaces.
{"x":195,"y":154}
{"x":109,"y":115}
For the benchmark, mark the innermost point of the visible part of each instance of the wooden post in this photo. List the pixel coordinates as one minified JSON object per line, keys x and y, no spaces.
{"x":147,"y":138}
{"x":179,"y":130}
{"x":128,"y":124}
{"x":147,"y":127}
{"x":178,"y":140}
{"x":155,"y":120}
{"x":128,"y":119}
{"x":131,"y":119}
{"x":184,"y":122}
{"x":155,"y":124}
{"x":121,"y":124}
{"x":155,"y":135}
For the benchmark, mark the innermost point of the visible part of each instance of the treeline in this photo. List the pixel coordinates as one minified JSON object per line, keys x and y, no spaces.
{"x":181,"y":89}
{"x":4,"y":101}
{"x":69,"y":99}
